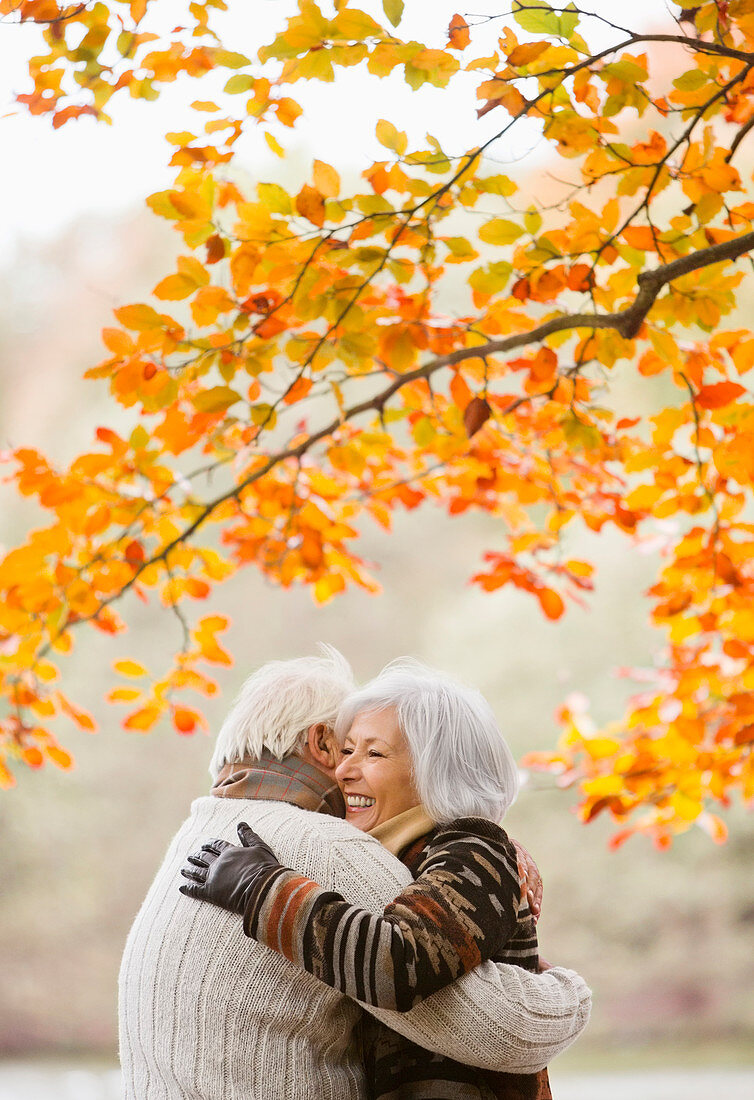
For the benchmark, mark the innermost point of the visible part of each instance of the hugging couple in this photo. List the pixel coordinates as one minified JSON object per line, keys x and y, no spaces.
{"x":343,"y":917}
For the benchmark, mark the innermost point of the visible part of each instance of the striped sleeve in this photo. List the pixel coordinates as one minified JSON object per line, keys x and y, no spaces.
{"x":461,"y":909}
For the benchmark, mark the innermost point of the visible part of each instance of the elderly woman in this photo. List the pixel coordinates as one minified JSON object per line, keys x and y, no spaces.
{"x":425,"y":769}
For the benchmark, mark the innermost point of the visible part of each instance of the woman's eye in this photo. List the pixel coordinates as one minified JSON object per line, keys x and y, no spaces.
{"x":346,"y":752}
{"x":373,"y":752}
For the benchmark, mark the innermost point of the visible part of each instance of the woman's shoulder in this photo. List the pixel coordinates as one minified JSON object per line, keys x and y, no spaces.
{"x":475,"y":852}
{"x":473,"y":834}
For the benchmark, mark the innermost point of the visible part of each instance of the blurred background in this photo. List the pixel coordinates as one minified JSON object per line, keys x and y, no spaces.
{"x":665,"y":939}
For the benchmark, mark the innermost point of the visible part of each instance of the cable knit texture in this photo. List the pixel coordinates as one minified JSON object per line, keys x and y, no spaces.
{"x":205,"y":1014}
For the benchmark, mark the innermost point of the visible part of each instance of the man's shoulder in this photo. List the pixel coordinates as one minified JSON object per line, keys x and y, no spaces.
{"x":326,"y":849}
{"x":209,"y":810}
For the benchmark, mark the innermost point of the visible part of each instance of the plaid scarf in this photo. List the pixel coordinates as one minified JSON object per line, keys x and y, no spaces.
{"x":290,"y":780}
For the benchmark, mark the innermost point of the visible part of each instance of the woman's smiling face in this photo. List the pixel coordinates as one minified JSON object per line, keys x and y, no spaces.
{"x":374,"y":772}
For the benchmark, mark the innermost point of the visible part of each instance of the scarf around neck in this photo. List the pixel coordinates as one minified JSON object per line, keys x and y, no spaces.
{"x":299,"y":783}
{"x":400,"y":832}
{"x":291,"y":780}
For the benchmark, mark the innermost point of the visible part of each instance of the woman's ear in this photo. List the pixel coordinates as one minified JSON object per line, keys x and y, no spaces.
{"x":320,"y":740}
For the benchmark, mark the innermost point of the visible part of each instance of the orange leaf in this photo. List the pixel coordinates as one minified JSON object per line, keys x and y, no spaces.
{"x":215,"y":246}
{"x":142,"y":720}
{"x":311,"y":205}
{"x":718,"y":394}
{"x":326,"y":179}
{"x":80,"y":717}
{"x":458,"y":33}
{"x":639,"y":236}
{"x":527,"y":52}
{"x":59,"y":757}
{"x":551,"y":603}
{"x":299,"y":389}
{"x":184,"y":719}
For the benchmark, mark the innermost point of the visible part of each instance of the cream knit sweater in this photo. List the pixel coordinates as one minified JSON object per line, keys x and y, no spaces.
{"x":207,"y":1014}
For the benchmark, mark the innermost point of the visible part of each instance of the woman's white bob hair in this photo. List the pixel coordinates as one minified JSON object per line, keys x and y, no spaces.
{"x":462,"y":766}
{"x":277,"y":705}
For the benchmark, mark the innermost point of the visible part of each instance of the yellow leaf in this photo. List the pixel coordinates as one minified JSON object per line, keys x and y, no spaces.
{"x":123,"y":695}
{"x":390,"y":137}
{"x":193,"y":269}
{"x":174,"y":287}
{"x":142,"y":720}
{"x":500,"y":231}
{"x":59,"y":757}
{"x":326,"y":179}
{"x":129,"y":668}
{"x":139,"y":318}
{"x":274,"y":144}
{"x":327,"y":587}
{"x":216,"y":399}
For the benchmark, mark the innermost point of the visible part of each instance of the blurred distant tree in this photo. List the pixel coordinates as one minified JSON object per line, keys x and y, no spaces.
{"x":310,"y":379}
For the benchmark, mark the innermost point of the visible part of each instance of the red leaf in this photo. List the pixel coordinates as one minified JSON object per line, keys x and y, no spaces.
{"x":475,"y":415}
{"x":718,"y":394}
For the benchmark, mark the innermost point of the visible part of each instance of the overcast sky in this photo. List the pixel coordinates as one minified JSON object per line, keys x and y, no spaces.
{"x":49,"y":178}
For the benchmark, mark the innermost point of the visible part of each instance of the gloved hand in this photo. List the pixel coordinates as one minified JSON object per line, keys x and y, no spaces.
{"x":225,"y":874}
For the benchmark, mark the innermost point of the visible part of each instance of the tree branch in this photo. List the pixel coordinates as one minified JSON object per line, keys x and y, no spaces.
{"x":627,"y":322}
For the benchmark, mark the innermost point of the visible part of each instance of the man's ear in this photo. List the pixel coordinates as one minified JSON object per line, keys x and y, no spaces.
{"x":321,"y":743}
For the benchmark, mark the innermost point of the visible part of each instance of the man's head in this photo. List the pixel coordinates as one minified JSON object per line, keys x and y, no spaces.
{"x":286,"y":707}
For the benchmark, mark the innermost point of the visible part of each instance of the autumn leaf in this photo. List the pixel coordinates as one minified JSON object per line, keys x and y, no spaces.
{"x":718,"y":394}
{"x":310,"y":204}
{"x":326,"y":180}
{"x":392,"y":138}
{"x":475,"y":415}
{"x":215,"y":400}
{"x":129,"y":668}
{"x":327,"y":354}
{"x":458,"y":33}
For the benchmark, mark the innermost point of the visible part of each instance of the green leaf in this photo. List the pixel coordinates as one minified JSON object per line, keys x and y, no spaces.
{"x":532,"y":221}
{"x":230,"y":60}
{"x":275,"y":198}
{"x":160,"y":204}
{"x":500,"y":231}
{"x":491,"y":279}
{"x":241,"y":82}
{"x":139,"y":438}
{"x":459,"y":246}
{"x":625,"y":69}
{"x":424,"y":432}
{"x":393,"y":10}
{"x":263,"y":415}
{"x":495,"y":185}
{"x":373,"y":204}
{"x":217,"y":399}
{"x":691,"y":81}
{"x":541,"y":21}
{"x":353,"y":25}
{"x":540,"y":18}
{"x":580,"y":435}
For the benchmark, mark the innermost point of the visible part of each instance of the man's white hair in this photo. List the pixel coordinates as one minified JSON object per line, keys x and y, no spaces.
{"x":277,"y":705}
{"x":462,"y":766}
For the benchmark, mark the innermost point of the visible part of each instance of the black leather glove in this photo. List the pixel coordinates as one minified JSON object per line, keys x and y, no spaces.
{"x":225,"y":874}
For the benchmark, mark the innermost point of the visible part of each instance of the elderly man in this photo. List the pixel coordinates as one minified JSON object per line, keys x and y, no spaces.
{"x":208,"y":1015}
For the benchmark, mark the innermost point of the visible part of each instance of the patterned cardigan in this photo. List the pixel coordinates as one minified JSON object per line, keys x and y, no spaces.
{"x":464,"y":907}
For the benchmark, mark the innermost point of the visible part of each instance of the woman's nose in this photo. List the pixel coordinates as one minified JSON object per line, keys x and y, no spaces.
{"x":346,"y":769}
